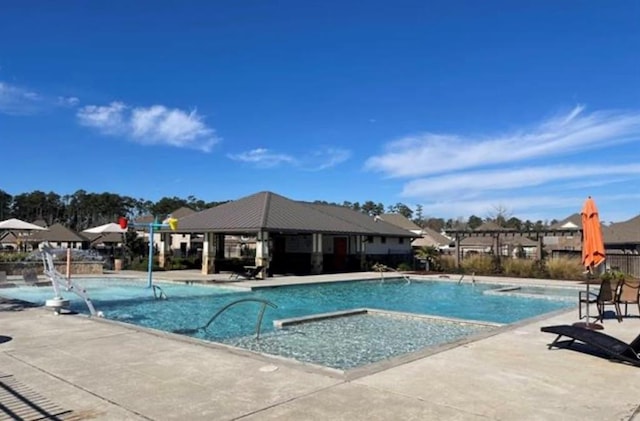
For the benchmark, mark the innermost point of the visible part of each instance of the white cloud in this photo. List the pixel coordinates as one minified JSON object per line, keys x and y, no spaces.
{"x":430,"y":153}
{"x":155,"y":125}
{"x":326,"y":158}
{"x":67,"y":101}
{"x":262,"y":158}
{"x":15,"y":100}
{"x":108,"y":119}
{"x":316,"y":160}
{"x":480,"y":182}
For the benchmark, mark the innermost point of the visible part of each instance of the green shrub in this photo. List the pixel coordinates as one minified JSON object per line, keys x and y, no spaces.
{"x":521,"y":268}
{"x":142,"y":265}
{"x":479,"y":264}
{"x":614,"y":276}
{"x":404,"y":267}
{"x":13,"y":256}
{"x":565,"y":268}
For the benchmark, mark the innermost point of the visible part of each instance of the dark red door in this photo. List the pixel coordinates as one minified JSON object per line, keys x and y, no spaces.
{"x":339,"y":254}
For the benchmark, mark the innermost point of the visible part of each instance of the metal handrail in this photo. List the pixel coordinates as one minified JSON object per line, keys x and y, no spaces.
{"x":161,"y":295}
{"x":59,"y":280}
{"x":265,"y":303}
{"x":384,"y":267}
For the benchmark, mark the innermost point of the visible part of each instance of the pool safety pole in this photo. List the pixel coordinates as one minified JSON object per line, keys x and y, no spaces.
{"x":150,"y":263}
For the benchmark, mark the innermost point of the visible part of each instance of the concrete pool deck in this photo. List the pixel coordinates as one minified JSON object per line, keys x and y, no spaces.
{"x":109,"y":371}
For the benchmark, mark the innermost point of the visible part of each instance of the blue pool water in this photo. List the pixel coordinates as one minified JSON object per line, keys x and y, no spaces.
{"x":191,"y":306}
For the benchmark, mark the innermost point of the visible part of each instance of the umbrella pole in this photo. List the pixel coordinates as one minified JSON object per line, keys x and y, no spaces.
{"x":588,"y":323}
{"x":588,"y":299}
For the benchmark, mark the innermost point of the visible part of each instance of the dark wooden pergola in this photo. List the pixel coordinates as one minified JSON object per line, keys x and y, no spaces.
{"x":537,"y":235}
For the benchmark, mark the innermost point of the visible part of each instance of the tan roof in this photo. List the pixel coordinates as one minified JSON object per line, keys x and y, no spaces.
{"x":400,"y":221}
{"x":178,"y":213}
{"x":492,"y":226}
{"x":488,"y":241}
{"x":431,"y":238}
{"x":58,"y":233}
{"x":112,"y":237}
{"x":271,"y":212}
{"x":569,"y":222}
{"x":627,"y":232}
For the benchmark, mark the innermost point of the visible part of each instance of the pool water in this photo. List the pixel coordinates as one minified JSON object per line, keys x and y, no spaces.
{"x":551,"y":293}
{"x":356,"y":340}
{"x":190,"y":307}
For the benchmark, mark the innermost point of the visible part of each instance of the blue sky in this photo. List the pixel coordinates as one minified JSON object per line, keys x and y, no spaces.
{"x":462,"y":107}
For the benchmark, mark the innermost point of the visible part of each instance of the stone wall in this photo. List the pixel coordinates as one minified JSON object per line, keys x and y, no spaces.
{"x":77,"y":268}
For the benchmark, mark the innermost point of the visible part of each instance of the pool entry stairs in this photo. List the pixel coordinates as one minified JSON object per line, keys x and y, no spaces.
{"x":59,"y":281}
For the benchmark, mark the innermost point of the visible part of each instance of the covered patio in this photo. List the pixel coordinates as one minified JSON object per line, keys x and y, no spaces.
{"x":294,"y":237}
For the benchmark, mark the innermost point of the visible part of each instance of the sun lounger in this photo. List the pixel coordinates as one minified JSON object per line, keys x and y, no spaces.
{"x":614,"y":348}
{"x":249,"y":272}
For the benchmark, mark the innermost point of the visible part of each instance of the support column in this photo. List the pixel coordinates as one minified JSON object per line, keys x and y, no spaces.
{"x":220,"y":246}
{"x":208,"y":254}
{"x":165,"y":248}
{"x":362,"y":250}
{"x":263,"y":252}
{"x":540,"y":247}
{"x":316,"y":254}
{"x":457,"y":251}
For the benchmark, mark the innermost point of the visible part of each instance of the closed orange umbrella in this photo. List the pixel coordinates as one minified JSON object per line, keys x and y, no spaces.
{"x":593,"y":252}
{"x":592,"y":244}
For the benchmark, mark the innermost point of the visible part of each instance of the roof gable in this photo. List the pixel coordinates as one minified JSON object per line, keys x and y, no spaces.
{"x":571,"y":222}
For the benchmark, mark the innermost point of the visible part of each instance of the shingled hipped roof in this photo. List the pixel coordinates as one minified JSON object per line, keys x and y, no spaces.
{"x":627,"y":232}
{"x":178,"y":214}
{"x":267,"y":211}
{"x":58,"y":233}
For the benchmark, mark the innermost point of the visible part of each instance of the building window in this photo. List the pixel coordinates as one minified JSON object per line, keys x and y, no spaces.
{"x":370,"y":239}
{"x":383,"y":240}
{"x":400,"y":240}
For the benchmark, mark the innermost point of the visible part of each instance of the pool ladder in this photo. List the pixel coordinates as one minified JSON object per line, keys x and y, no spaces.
{"x":158,"y":293}
{"x":473,"y":278}
{"x":405,"y":277}
{"x":265,"y":303}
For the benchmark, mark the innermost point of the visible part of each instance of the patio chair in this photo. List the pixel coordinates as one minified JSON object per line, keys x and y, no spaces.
{"x":250,"y":272}
{"x":607,"y":296}
{"x":30,"y":277}
{"x":629,"y":293}
{"x":613,"y":348}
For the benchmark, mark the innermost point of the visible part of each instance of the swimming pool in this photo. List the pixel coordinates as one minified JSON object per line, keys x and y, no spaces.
{"x":191,"y":306}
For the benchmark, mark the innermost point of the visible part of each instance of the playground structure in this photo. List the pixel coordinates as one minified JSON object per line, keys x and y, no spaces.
{"x":171,"y":223}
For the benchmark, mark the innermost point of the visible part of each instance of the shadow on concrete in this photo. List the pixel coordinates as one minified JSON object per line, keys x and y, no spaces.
{"x":19,"y":402}
{"x":9,"y":304}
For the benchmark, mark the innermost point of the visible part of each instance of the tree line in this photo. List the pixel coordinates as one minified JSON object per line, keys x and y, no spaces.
{"x":82,"y":210}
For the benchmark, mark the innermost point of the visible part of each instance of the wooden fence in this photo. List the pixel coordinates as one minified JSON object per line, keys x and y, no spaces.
{"x":626,"y":263}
